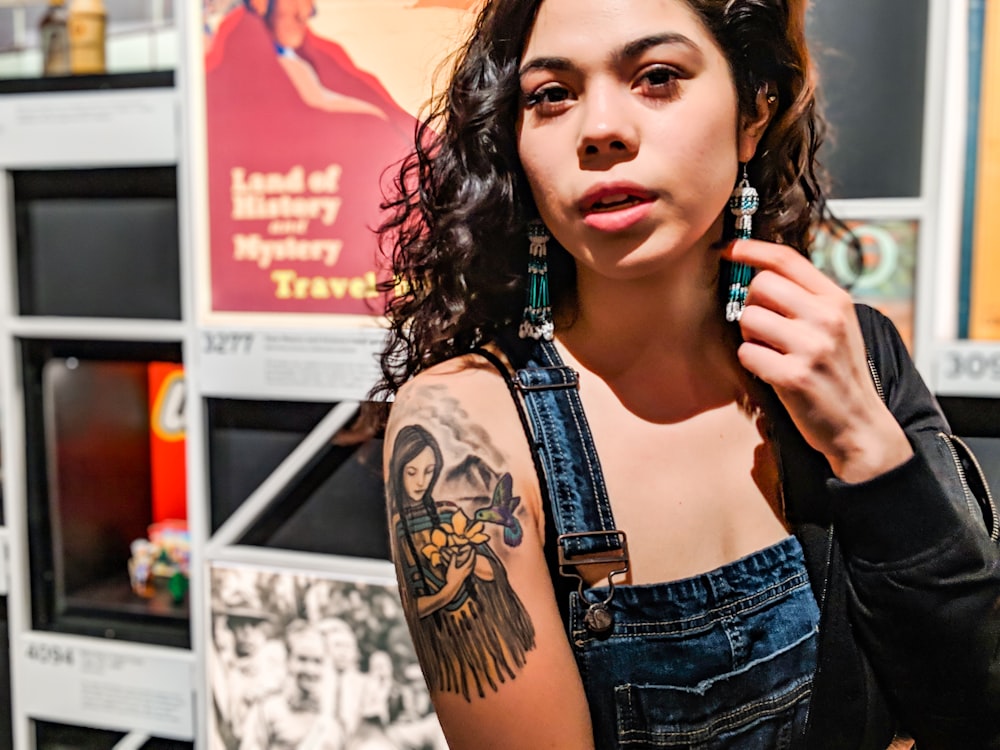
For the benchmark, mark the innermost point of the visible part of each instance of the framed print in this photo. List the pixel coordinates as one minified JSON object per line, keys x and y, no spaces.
{"x":312,"y":660}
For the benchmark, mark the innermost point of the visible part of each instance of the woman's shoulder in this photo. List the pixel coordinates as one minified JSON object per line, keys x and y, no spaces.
{"x":465,"y":408}
{"x":471,"y":380}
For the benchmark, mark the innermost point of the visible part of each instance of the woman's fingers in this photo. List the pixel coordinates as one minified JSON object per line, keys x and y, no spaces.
{"x":794,"y":309}
{"x":783,"y":261}
{"x":779,"y":294}
{"x":801,"y":335}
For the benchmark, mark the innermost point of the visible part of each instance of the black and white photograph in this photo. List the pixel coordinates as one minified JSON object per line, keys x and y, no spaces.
{"x":313,"y":662}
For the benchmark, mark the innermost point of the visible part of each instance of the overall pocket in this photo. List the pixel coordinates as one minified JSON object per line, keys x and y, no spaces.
{"x":763,"y":705}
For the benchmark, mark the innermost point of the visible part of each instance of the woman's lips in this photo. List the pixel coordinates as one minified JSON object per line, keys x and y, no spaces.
{"x":615,"y":209}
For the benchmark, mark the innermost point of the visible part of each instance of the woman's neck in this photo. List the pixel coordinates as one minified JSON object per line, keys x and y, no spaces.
{"x":677,"y":312}
{"x":639,"y":335}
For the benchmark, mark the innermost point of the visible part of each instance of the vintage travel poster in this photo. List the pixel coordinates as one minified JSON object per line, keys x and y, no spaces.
{"x":309,"y":105}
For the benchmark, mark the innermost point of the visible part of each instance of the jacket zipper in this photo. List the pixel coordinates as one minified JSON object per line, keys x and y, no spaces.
{"x":950,"y":441}
{"x":970,"y":498}
{"x":876,"y":379}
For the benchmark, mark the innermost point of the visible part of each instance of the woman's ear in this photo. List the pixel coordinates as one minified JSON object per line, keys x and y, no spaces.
{"x":752,"y":126}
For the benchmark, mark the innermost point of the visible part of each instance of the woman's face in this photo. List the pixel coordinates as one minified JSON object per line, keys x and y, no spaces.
{"x":629,"y":132}
{"x":289,"y":21}
{"x":418,"y":474}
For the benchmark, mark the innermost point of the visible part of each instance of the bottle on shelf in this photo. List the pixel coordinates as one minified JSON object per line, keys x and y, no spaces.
{"x":53,"y":31}
{"x":87,"y":24}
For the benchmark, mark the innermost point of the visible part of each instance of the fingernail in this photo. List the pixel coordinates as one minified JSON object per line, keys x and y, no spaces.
{"x":726,"y":247}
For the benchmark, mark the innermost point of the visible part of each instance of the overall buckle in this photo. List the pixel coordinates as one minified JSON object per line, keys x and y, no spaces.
{"x":598,"y":618}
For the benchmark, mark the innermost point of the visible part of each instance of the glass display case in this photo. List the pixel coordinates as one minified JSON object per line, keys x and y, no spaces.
{"x":140,"y":37}
{"x":90,"y":428}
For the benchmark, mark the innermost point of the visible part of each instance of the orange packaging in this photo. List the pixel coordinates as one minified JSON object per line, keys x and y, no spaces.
{"x":168,"y":467}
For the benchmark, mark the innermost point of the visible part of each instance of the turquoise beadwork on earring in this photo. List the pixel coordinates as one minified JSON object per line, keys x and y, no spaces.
{"x":537,"y":322}
{"x":743,"y":203}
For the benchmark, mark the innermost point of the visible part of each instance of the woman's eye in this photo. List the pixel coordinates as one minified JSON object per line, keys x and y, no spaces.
{"x":659,"y":80}
{"x":546,"y":96}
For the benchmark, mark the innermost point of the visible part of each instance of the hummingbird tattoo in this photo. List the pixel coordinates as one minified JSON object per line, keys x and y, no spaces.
{"x":501,"y":511}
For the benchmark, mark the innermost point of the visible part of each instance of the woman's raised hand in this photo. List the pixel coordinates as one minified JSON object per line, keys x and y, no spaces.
{"x":801,"y":335}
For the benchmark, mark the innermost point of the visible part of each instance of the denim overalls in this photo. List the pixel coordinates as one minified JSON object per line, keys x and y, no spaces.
{"x":720,"y":660}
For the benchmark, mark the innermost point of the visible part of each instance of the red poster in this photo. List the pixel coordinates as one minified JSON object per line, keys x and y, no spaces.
{"x":301,"y":139}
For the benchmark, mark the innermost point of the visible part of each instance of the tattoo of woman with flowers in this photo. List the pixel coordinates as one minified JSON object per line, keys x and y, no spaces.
{"x":468,"y":624}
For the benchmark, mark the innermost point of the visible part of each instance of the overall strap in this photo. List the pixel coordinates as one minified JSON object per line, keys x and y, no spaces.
{"x":562,"y":442}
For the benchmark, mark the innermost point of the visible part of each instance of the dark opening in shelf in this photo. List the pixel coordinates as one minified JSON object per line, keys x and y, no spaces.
{"x":334,"y":505}
{"x":98,"y":242}
{"x":89,"y":430}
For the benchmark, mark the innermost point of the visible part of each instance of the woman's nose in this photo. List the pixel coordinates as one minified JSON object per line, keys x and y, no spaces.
{"x":606,"y":127}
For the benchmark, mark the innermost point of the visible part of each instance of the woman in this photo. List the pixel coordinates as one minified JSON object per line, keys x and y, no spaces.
{"x":802,"y":568}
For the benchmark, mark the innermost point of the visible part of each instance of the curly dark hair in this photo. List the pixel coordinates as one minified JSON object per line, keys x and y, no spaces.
{"x":457,"y":223}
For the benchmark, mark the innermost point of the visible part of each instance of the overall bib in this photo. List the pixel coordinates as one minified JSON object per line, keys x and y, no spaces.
{"x":724,"y":659}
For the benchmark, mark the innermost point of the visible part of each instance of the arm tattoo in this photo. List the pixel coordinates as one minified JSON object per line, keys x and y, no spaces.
{"x":469,"y":627}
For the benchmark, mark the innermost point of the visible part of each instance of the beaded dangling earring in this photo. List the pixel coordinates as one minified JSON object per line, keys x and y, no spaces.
{"x":743,"y":204}
{"x":537,"y":323}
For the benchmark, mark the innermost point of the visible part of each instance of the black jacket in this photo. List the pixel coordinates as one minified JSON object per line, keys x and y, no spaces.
{"x":906,"y":569}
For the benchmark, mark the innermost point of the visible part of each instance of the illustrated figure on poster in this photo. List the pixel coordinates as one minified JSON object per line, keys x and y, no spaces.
{"x":461,"y":584}
{"x":294,"y":718}
{"x":299,"y":139}
{"x":288,"y":21}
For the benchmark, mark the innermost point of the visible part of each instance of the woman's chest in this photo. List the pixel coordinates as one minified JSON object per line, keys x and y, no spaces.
{"x":691,"y":495}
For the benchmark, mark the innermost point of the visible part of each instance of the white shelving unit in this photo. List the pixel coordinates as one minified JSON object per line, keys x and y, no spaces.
{"x":55,"y":676}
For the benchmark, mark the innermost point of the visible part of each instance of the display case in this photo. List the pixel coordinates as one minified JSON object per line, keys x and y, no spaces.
{"x":876,"y":149}
{"x":332,"y":502}
{"x":90,"y":427}
{"x":247,"y":440}
{"x":91,"y":393}
{"x":140,"y":37}
{"x":96,"y":246}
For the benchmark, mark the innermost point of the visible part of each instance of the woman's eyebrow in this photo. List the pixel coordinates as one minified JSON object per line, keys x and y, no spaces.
{"x":546,"y":63}
{"x":628,"y":51}
{"x":635,"y":48}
